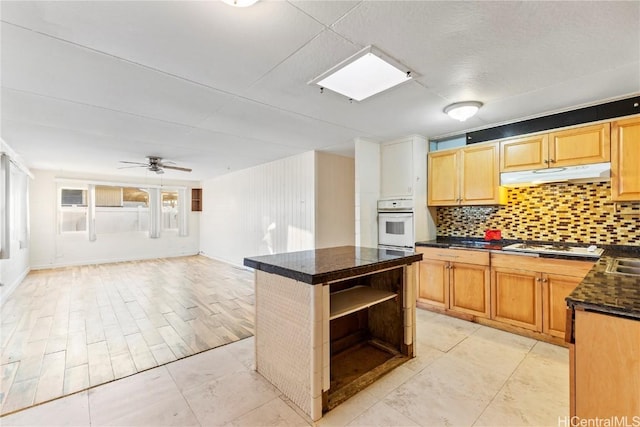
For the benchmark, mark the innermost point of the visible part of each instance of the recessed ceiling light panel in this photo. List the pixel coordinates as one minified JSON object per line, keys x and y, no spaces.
{"x":365,"y":74}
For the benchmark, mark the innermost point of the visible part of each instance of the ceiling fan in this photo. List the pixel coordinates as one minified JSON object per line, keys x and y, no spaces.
{"x":155,"y":164}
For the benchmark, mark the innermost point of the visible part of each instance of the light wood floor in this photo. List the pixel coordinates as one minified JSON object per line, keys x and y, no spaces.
{"x":65,"y":330}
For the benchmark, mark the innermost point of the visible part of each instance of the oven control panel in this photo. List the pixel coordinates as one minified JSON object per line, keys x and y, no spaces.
{"x":395,"y":205}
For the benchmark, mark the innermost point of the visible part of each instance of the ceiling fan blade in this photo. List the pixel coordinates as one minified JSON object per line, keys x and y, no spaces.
{"x":135,"y":166}
{"x":134,"y":163}
{"x":176,"y":168}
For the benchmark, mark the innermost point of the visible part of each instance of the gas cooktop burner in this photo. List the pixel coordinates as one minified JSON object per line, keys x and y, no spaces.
{"x":557,"y":248}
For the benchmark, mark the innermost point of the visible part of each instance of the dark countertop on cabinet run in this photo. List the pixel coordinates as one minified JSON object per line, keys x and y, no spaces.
{"x":325,"y":265}
{"x":608,"y":293}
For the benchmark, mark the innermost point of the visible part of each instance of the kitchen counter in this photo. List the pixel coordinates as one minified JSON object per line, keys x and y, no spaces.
{"x":609,"y":293}
{"x":325,"y":265}
{"x":599,"y":291}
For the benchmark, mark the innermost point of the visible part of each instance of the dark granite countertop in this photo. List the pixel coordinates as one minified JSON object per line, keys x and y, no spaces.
{"x":325,"y":265}
{"x":616,"y":294}
{"x":610,"y":293}
{"x":495,"y":246}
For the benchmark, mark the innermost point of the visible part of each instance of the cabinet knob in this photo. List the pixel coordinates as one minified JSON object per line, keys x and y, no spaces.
{"x":538,"y":279}
{"x":544,"y":280}
{"x":552,"y":160}
{"x":546,"y":161}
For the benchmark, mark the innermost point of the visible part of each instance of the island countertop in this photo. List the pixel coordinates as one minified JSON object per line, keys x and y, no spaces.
{"x":319,"y":266}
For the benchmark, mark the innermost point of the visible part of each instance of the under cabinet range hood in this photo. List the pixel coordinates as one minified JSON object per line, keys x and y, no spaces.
{"x":596,"y":172}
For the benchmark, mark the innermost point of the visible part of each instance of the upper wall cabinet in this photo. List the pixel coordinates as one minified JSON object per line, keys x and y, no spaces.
{"x":625,"y":160}
{"x":468,"y":176}
{"x":396,"y":177}
{"x":577,"y":146}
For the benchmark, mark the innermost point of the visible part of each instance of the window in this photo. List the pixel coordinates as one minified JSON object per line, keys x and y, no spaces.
{"x":20,"y":216}
{"x":73,"y":197}
{"x":73,"y":210}
{"x":5,"y":207}
{"x":121,"y":209}
{"x":169,"y":210}
{"x":95,"y":208}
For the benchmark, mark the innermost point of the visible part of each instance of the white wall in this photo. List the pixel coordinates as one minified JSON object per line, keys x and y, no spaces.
{"x":50,"y":249}
{"x":335,"y":201}
{"x":15,"y":268}
{"x":261,"y":210}
{"x":298,"y":203}
{"x":367,"y":172}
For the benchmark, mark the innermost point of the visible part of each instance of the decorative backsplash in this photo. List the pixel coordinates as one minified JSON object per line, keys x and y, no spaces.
{"x":563,"y":212}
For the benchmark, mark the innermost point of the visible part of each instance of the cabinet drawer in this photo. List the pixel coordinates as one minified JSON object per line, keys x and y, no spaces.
{"x":544,"y":265}
{"x":456,"y":255}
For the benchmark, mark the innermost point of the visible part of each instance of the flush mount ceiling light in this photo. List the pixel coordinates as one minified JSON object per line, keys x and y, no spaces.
{"x":462,"y":110}
{"x":364,"y":74}
{"x":240,"y":3}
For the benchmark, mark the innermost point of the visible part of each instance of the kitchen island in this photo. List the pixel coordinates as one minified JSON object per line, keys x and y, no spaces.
{"x":331,"y":321}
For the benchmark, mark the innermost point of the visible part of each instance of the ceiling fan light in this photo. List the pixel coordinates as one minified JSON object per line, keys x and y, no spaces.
{"x":240,"y":3}
{"x":462,"y":110}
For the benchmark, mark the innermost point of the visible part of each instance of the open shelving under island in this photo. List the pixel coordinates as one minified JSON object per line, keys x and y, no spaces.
{"x":331,"y":321}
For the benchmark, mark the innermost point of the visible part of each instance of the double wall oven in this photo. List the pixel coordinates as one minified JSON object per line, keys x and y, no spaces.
{"x":395,"y":224}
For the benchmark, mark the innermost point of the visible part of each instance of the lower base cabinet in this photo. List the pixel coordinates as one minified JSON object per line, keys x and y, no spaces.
{"x":512,"y":291}
{"x":530,"y":292}
{"x":555,"y":288}
{"x":455,"y":280}
{"x":516,"y":297}
{"x":605,"y":368}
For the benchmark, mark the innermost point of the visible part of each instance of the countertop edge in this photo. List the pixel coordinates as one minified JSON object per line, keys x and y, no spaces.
{"x":330,"y":276}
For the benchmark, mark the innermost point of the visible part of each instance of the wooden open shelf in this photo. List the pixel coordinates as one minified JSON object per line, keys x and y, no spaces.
{"x":350,"y":300}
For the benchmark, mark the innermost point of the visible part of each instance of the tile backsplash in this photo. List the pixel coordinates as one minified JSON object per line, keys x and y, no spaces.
{"x":563,"y":212}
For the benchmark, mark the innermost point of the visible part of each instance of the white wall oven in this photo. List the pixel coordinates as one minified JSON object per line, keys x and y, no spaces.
{"x":395,"y":224}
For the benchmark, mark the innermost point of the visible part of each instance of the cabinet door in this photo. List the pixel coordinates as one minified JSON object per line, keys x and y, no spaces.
{"x":469,"y":289}
{"x":528,"y":153}
{"x":625,"y":158}
{"x":555,"y":288}
{"x":479,"y":175}
{"x":396,"y":169}
{"x":434,"y":282}
{"x":606,"y":366}
{"x":516,"y":297}
{"x":580,"y":146}
{"x":442,"y":181}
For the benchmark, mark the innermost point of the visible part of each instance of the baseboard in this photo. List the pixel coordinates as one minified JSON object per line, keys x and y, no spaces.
{"x":107,"y":261}
{"x":226,"y":261}
{"x":7,"y":290}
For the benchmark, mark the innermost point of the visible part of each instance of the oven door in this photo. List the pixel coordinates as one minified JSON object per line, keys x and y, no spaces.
{"x":395,"y":229}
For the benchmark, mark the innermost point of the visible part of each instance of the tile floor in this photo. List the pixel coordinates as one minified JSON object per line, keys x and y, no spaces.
{"x":464,"y":375}
{"x":65,"y":330}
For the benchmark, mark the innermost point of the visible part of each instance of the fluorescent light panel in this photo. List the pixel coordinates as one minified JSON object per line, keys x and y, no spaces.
{"x":365,"y":74}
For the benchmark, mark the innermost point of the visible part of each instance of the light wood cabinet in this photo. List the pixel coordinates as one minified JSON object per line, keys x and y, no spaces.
{"x":455,"y":280}
{"x":530,"y":292}
{"x":570,"y":147}
{"x":625,"y":160}
{"x":434,"y":282}
{"x":516,"y":297}
{"x":467,"y":176}
{"x":604,"y":366}
{"x":527,"y":153}
{"x":443,"y":178}
{"x":555,"y":288}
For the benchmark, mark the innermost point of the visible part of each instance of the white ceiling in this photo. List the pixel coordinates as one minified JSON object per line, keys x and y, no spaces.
{"x":217,"y":88}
